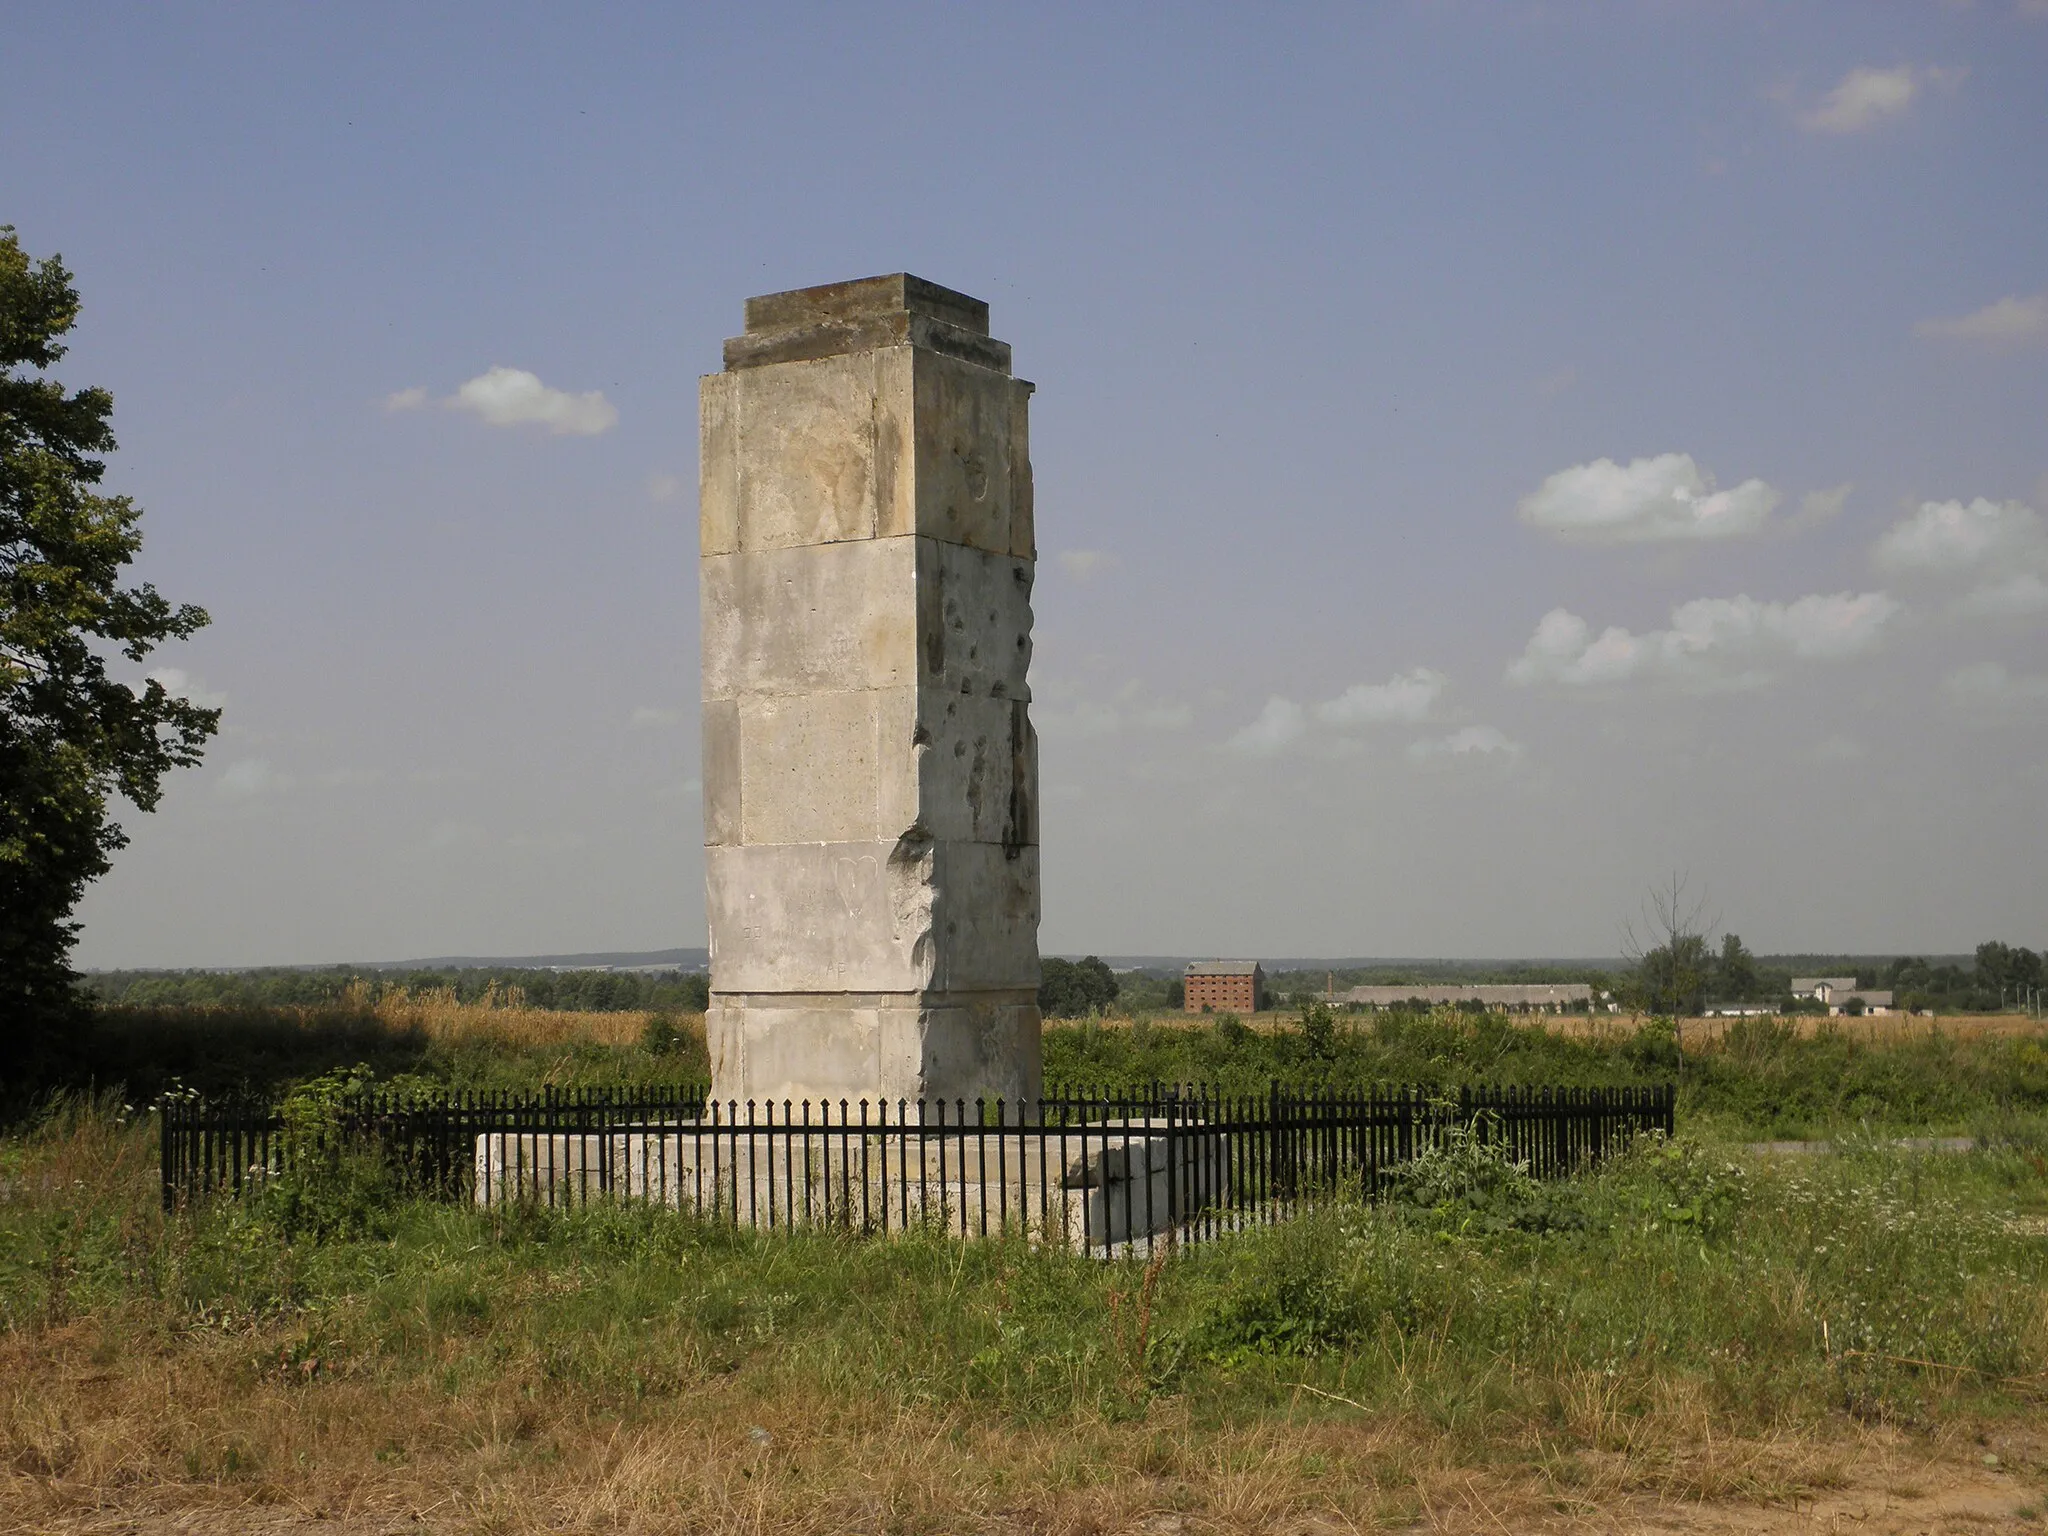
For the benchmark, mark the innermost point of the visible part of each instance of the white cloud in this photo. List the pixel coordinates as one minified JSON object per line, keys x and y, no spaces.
{"x":512,"y":397}
{"x":1865,"y":97}
{"x":664,"y":487}
{"x":180,"y":684}
{"x":250,"y":777}
{"x":1947,"y":536}
{"x":1989,"y":689}
{"x":1712,"y":642}
{"x":1404,"y":698}
{"x":1654,"y":500}
{"x":2002,"y":544}
{"x":1280,"y":725}
{"x":1475,"y":743}
{"x":406,"y":399}
{"x":1084,"y":564}
{"x":2011,"y":321}
{"x":650,"y":715}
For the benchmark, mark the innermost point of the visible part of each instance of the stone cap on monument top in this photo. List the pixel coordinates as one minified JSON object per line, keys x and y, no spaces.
{"x":863,"y":297}
{"x":835,"y":318}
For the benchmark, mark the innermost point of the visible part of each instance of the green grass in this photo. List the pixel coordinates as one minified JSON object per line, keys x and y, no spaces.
{"x":1681,"y":1292}
{"x":1775,"y":1287}
{"x":1761,"y":1080}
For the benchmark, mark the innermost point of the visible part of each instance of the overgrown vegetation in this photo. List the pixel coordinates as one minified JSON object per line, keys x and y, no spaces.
{"x":577,"y":991}
{"x":1758,"y":1076}
{"x":1583,"y":1337}
{"x":430,"y":1038}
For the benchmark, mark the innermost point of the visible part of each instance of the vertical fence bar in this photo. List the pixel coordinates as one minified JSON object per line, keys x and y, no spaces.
{"x":1228,"y":1162}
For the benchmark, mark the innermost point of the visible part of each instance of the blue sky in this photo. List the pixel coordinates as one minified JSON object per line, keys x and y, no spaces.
{"x":1348,"y":640}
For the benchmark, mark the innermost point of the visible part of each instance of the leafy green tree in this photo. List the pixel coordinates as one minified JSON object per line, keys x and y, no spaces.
{"x":71,"y":737}
{"x":2003,"y":969}
{"x":1671,"y":976}
{"x":1072,"y":989}
{"x":1735,"y":973}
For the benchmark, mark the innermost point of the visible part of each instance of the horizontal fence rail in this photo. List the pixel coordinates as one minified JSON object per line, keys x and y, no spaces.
{"x":1103,"y":1172}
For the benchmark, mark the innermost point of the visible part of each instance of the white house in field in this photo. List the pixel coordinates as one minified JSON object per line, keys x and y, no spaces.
{"x":1836,"y":991}
{"x":1822,"y":989}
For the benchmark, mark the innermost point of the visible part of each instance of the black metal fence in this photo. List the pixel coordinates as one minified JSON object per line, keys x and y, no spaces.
{"x":1100,"y":1171}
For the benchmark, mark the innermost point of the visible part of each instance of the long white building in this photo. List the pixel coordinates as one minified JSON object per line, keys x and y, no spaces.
{"x":1549,"y":997}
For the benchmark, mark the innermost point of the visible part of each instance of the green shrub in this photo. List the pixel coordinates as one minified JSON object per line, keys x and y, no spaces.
{"x":1319,"y":1030}
{"x":661,"y":1037}
{"x":328,"y":1183}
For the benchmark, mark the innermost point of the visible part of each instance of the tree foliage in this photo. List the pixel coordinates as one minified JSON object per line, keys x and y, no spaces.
{"x":275,"y":986}
{"x":71,"y":736}
{"x":1072,"y":989}
{"x":1736,"y":977}
{"x":1672,"y":974}
{"x":2007,"y":968}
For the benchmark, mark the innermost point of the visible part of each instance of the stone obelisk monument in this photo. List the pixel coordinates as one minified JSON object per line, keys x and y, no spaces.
{"x":870,"y":771}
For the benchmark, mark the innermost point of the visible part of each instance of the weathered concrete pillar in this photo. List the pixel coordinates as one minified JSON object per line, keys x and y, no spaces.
{"x":870,"y":771}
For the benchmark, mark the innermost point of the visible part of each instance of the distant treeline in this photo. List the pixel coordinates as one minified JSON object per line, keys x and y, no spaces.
{"x":1998,"y":975}
{"x":2003,"y":975}
{"x":567,"y":991}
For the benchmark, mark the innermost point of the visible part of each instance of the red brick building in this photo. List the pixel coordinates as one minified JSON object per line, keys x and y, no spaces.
{"x":1225,"y":986}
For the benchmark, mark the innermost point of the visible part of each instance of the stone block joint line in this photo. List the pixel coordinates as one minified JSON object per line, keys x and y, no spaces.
{"x":867,"y":548}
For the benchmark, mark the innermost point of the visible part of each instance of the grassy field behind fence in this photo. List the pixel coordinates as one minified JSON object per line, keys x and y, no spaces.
{"x":1687,"y":1323}
{"x":1684,"y":1324}
{"x":1762,"y":1077}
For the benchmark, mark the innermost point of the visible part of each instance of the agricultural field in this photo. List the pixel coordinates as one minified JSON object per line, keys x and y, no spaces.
{"x":1695,"y":1337}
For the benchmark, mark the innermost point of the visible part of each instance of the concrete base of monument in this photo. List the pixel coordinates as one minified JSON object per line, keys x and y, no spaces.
{"x":887,"y":1048}
{"x":1102,"y":1187}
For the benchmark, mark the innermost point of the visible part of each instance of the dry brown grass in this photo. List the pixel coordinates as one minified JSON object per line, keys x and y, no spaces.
{"x":504,"y":1017}
{"x":209,"y":1437}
